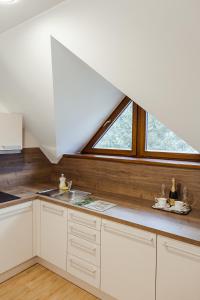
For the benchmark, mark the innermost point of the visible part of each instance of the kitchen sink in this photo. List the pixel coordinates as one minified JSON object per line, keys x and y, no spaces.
{"x":79,"y":198}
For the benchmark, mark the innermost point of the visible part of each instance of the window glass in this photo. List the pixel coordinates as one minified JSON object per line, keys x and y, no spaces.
{"x":161,"y":139}
{"x":119,"y":134}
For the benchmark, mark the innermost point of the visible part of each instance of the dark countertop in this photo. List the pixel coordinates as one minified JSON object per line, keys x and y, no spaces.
{"x":129,"y":211}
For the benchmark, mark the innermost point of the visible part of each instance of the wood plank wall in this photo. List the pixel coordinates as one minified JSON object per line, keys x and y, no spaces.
{"x":30,"y":166}
{"x":135,"y":180}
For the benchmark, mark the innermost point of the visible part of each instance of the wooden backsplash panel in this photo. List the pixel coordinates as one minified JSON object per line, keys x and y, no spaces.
{"x":27,"y":167}
{"x":135,"y":180}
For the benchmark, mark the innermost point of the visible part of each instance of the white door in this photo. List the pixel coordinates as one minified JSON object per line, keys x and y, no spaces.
{"x":128,"y":262}
{"x":16,"y":235}
{"x":53,"y":240}
{"x":178,"y":270}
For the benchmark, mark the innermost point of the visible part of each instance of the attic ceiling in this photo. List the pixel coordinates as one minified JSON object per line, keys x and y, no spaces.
{"x":149,"y":50}
{"x":16,"y":13}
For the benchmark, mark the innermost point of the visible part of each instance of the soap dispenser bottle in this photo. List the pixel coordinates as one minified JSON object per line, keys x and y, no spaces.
{"x":62,"y":184}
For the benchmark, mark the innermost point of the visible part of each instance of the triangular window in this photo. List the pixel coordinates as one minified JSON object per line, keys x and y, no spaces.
{"x":131,"y":131}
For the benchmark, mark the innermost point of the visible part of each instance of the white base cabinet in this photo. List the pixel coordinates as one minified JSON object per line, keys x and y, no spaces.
{"x":178,"y":270}
{"x":53,"y":234}
{"x":121,"y":261}
{"x":16,"y":235}
{"x":128,"y":262}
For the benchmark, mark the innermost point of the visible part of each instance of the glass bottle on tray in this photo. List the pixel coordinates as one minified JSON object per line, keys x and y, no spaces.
{"x":173,"y":194}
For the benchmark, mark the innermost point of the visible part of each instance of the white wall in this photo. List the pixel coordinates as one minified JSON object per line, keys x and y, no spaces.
{"x":83,"y":99}
{"x":26,"y":84}
{"x":147,"y":49}
{"x":29,"y":141}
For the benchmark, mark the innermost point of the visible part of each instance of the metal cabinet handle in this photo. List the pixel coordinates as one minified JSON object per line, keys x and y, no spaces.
{"x":82,"y":268}
{"x":175,"y":248}
{"x":52,"y":210}
{"x":107,"y":122}
{"x":127,"y":235}
{"x":80,"y":233}
{"x":83,"y":247}
{"x":78,"y":219}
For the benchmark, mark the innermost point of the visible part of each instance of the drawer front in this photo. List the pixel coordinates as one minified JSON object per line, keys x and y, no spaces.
{"x":129,"y":232}
{"x":54,"y":209}
{"x":87,"y":251}
{"x":84,"y":271}
{"x":84,"y":232}
{"x":84,"y":219}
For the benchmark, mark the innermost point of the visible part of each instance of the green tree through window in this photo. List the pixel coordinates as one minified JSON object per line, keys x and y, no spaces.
{"x":160,"y":138}
{"x":119,"y":135}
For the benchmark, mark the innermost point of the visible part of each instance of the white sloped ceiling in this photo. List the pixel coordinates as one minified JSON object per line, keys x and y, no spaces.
{"x":147,"y":49}
{"x":83,"y":99}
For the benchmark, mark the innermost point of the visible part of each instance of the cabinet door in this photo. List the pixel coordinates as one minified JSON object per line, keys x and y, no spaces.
{"x":16,"y":235}
{"x":178,"y":270}
{"x":54,"y":234}
{"x":128,"y":262}
{"x":10,"y":131}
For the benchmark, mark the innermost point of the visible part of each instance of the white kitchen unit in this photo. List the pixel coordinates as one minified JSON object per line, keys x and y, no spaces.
{"x":53,"y":234}
{"x":178,"y":270}
{"x":83,"y":259}
{"x":16,"y":235}
{"x":128,"y":262}
{"x":10,"y":132}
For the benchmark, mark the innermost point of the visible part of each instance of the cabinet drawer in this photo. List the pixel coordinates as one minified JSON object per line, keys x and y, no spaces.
{"x":84,"y":250}
{"x":15,"y":210}
{"x":84,"y":219}
{"x":54,"y":209}
{"x":128,"y":232}
{"x":84,"y":232}
{"x":84,"y":271}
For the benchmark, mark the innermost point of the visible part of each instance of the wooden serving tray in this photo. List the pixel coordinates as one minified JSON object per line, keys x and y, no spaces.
{"x":184,"y":211}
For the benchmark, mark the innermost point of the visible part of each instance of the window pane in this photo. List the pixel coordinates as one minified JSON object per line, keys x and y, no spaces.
{"x":161,"y":139}
{"x":119,"y":135}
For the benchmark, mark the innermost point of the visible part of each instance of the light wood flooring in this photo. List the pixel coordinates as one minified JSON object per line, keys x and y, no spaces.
{"x":38,"y":283}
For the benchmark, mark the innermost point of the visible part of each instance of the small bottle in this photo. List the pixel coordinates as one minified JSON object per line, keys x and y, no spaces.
{"x":62,"y":184}
{"x":173,"y":195}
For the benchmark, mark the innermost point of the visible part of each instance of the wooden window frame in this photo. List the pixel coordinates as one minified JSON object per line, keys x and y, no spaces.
{"x":141,"y":144}
{"x":138,"y":138}
{"x":89,"y":148}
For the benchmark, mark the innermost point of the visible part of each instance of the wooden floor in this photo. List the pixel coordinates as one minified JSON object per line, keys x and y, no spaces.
{"x":38,"y":283}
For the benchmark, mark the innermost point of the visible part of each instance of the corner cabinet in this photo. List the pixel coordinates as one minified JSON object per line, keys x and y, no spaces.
{"x":53,"y":231}
{"x":16,"y":235}
{"x":128,"y":262}
{"x":178,"y":270}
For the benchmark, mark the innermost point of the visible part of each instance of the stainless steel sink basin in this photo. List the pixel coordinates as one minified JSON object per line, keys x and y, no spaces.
{"x":73,"y":196}
{"x":79,"y":198}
